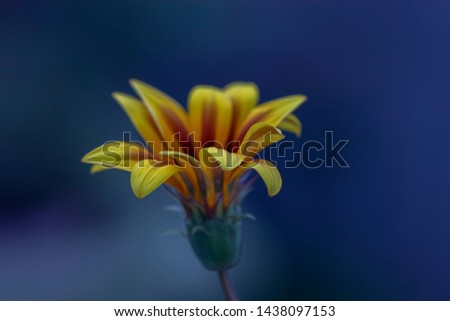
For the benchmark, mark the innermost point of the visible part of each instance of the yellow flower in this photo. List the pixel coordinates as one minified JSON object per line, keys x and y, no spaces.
{"x":203,"y":154}
{"x":222,"y":125}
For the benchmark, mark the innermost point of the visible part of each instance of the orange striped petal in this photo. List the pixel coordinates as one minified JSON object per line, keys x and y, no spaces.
{"x":178,"y":182}
{"x":272,"y":112}
{"x":141,"y":119}
{"x":210,"y":114}
{"x":170,"y":118}
{"x":258,"y":137}
{"x":191,"y":167}
{"x":208,"y":166}
{"x":244,"y":97}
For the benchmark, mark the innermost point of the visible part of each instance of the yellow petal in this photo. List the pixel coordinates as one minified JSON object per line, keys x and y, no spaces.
{"x":141,"y":119}
{"x":272,"y":112}
{"x":244,"y":97}
{"x":170,"y":118}
{"x":98,"y":168}
{"x":210,"y":114}
{"x":269,"y":173}
{"x":291,"y":124}
{"x":258,"y":137}
{"x":119,"y":155}
{"x":181,"y":158}
{"x":146,"y":177}
{"x":226,"y":160}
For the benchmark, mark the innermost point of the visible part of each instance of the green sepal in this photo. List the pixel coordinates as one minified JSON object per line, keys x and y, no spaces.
{"x":216,"y":242}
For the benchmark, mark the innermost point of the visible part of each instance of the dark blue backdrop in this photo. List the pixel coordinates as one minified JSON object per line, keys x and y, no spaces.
{"x":376,"y":73}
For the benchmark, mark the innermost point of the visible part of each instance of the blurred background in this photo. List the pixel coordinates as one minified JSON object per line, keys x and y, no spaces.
{"x":376,"y":73}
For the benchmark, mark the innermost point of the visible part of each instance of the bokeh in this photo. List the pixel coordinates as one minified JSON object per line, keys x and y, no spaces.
{"x":376,"y":73}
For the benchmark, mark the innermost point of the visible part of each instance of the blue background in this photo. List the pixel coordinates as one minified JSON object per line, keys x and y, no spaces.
{"x":376,"y":73}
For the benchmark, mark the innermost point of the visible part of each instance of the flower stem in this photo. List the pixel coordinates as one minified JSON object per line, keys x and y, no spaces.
{"x":228,"y":289}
